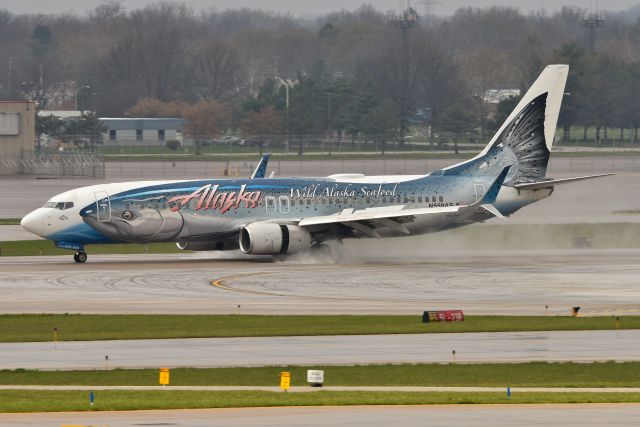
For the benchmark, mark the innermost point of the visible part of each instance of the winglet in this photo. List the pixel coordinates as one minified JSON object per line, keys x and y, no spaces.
{"x":491,"y":195}
{"x":261,"y":169}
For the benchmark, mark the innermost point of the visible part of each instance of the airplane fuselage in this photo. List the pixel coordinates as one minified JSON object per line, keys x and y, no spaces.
{"x":210,"y":210}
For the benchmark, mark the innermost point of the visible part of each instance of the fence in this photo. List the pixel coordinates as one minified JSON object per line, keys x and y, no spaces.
{"x":54,"y":164}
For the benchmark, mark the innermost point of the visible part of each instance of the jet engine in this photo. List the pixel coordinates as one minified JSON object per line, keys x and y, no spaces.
{"x":274,"y":239}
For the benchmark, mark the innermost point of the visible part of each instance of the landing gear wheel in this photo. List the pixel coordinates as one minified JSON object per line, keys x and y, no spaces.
{"x":80,"y":257}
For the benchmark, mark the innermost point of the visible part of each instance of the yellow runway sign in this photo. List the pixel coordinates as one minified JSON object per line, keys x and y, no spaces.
{"x":285,"y":380}
{"x":164,"y":376}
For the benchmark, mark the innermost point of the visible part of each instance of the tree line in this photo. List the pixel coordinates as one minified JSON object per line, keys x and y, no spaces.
{"x":361,"y":73}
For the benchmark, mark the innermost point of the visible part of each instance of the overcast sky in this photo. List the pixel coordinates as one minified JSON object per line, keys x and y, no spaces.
{"x":311,"y":7}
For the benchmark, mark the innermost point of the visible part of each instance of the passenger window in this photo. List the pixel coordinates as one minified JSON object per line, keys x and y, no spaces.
{"x":441,"y":199}
{"x":433,"y":199}
{"x":406,"y":200}
{"x":420,"y":199}
{"x":413,"y":199}
{"x":270,"y":204}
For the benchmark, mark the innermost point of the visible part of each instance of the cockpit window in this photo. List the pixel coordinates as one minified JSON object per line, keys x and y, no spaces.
{"x":59,"y":205}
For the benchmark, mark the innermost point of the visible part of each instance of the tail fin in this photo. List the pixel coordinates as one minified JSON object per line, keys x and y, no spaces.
{"x":524,"y":140}
{"x":261,"y":169}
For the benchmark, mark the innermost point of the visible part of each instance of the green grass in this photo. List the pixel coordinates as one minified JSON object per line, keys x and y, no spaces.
{"x":533,"y":374}
{"x":9,"y":221}
{"x":80,"y":327}
{"x":545,"y":236}
{"x":627,"y":212}
{"x":46,"y":247}
{"x":59,"y":401}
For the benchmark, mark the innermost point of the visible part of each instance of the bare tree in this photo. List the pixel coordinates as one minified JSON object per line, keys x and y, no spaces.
{"x":217,"y":70}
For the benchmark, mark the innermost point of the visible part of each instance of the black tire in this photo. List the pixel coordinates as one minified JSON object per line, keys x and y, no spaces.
{"x":80,"y":257}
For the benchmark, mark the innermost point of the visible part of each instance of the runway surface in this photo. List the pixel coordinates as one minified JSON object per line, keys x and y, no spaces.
{"x":602,"y":282}
{"x":571,"y":415}
{"x":13,"y":233}
{"x":326,"y":350}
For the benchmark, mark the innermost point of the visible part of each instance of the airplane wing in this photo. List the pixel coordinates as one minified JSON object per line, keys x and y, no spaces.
{"x":365,"y":221}
{"x":261,"y":169}
{"x":553,"y":182}
{"x":361,"y":219}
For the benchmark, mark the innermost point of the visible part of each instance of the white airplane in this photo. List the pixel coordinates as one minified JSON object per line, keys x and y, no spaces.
{"x":278,"y":216}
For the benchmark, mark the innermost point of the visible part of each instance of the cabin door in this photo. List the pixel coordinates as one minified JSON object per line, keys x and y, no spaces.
{"x":103,"y":206}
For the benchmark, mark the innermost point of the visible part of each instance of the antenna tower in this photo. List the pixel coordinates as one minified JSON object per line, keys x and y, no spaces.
{"x":591,"y":23}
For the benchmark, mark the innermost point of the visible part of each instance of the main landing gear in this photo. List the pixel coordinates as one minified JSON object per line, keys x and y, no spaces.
{"x":80,"y":257}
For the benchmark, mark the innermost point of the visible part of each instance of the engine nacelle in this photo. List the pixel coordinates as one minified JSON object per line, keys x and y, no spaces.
{"x":273,"y":239}
{"x":226,"y":245}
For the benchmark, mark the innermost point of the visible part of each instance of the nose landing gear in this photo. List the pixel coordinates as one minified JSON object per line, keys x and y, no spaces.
{"x":80,"y":257}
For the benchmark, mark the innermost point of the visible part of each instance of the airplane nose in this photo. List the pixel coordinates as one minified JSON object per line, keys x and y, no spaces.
{"x":34,"y":223}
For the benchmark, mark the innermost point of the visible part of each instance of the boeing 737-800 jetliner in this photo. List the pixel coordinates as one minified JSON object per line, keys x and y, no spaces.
{"x":280,"y":216}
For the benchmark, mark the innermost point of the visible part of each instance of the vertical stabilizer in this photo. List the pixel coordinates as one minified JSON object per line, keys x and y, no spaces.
{"x":524,"y":140}
{"x":551,"y":83}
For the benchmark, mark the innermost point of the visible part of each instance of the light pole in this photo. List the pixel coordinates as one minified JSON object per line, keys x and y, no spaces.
{"x":287,"y":84}
{"x":78,"y":91}
{"x":12,"y":60}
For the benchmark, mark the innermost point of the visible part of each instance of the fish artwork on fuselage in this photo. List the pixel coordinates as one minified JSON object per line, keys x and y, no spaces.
{"x":280,"y":216}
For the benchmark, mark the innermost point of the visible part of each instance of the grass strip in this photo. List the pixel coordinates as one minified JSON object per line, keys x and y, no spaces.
{"x":627,"y":212}
{"x":108,"y":400}
{"x":533,"y":374}
{"x":9,"y":221}
{"x":90,"y":327}
{"x":46,"y":247}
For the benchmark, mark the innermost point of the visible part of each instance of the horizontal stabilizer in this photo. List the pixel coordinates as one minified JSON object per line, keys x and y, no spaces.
{"x":553,"y":182}
{"x":493,"y":210}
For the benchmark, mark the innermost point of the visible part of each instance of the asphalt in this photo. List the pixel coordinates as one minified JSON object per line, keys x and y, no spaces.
{"x":508,"y":415}
{"x":623,"y":345}
{"x":396,"y":278}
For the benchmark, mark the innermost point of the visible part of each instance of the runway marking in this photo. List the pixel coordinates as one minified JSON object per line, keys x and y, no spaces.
{"x":218,"y":283}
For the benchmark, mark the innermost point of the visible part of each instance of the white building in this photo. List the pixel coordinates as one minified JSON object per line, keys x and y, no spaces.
{"x":141,"y":131}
